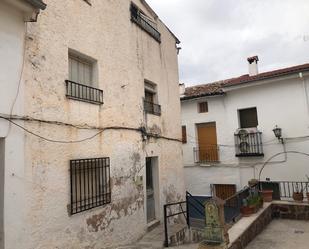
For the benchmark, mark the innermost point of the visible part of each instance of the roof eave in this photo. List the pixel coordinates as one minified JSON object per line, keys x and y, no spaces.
{"x":248,"y":82}
{"x":201,"y":96}
{"x":37,"y":4}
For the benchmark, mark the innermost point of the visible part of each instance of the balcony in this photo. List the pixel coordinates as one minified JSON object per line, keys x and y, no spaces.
{"x":206,"y":154}
{"x":144,"y":24}
{"x":152,"y":108}
{"x":83,"y":93}
{"x":248,"y":143}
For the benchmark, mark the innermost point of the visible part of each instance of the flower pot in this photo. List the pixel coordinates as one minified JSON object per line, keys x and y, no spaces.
{"x":253,"y":182}
{"x":267,"y":195}
{"x":298,"y":196}
{"x":247,"y":211}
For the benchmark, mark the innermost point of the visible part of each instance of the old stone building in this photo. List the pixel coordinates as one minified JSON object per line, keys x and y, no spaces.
{"x":97,"y":147}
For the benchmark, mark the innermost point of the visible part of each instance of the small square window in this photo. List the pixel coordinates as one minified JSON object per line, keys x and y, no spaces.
{"x":151,"y":99}
{"x":203,"y":107}
{"x":248,"y":118}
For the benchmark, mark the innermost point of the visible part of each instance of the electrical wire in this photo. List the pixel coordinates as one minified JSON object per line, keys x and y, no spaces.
{"x":20,"y":79}
{"x":100,"y":130}
{"x":280,"y":153}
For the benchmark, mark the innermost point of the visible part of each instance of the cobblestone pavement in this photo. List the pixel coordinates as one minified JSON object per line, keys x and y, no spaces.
{"x":283,"y":234}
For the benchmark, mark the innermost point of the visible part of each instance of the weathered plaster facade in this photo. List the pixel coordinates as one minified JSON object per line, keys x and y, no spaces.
{"x":125,"y":56}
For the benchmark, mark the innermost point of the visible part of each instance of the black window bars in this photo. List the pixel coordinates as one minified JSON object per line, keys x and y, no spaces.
{"x":248,"y":144}
{"x":90,"y":184}
{"x":144,"y":24}
{"x":84,"y":93}
{"x":152,"y":108}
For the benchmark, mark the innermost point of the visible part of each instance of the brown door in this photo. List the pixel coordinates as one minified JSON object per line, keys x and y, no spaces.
{"x":224,"y":191}
{"x":207,"y":141}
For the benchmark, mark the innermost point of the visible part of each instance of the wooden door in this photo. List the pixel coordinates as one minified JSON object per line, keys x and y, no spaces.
{"x":207,"y":141}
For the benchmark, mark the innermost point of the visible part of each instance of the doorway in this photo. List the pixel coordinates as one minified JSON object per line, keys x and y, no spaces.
{"x":151,"y":188}
{"x":207,"y":142}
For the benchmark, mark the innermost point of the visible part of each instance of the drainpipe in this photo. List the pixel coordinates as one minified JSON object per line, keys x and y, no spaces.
{"x":306,"y":94}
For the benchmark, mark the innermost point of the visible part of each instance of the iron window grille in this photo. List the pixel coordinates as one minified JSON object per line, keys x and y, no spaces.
{"x":84,"y":93}
{"x":248,"y":144}
{"x":206,"y":154}
{"x":144,"y":23}
{"x":152,"y":108}
{"x":90,"y":184}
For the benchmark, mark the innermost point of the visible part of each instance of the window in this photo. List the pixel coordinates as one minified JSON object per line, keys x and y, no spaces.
{"x":90,"y":184}
{"x":80,"y":70}
{"x":81,"y":82}
{"x":184,"y":134}
{"x":248,"y":118}
{"x":203,"y":107}
{"x":151,"y":99}
{"x":144,"y":22}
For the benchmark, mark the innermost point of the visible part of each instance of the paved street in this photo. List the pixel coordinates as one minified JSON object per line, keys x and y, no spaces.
{"x":283,"y":234}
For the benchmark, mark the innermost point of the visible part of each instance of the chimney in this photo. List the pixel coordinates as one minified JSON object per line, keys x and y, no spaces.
{"x":182,"y":89}
{"x":253,"y":65}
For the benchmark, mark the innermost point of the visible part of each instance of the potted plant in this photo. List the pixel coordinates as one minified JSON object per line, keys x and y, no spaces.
{"x":253,"y":182}
{"x":246,"y":210}
{"x":298,"y":194}
{"x":267,"y":195}
{"x":251,"y":204}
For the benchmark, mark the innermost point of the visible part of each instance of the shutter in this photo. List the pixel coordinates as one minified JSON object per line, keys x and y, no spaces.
{"x":184,"y":134}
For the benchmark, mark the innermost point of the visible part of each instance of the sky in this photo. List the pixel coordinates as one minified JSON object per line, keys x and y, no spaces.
{"x":217,"y":36}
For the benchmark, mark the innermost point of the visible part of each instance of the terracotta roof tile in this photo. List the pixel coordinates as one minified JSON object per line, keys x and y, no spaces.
{"x":216,"y":88}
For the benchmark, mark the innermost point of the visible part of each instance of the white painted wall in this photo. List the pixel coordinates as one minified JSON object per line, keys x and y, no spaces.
{"x":12,"y":30}
{"x":281,"y":102}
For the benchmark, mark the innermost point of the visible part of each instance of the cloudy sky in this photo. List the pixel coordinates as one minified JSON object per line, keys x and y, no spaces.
{"x":218,"y":35}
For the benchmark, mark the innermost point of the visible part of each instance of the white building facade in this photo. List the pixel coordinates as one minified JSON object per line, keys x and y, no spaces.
{"x":228,"y":129}
{"x":92,"y":149}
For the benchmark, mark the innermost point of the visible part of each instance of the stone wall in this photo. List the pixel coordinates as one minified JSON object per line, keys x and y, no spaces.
{"x":254,"y":229}
{"x":283,"y":210}
{"x":291,"y":211}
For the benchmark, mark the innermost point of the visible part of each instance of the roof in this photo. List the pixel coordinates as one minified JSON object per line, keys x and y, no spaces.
{"x":39,"y":4}
{"x":217,"y":88}
{"x":203,"y":91}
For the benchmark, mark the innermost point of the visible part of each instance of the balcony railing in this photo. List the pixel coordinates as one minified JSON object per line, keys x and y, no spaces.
{"x":152,"y":108}
{"x":248,"y":144}
{"x":283,"y":190}
{"x":206,"y":154}
{"x":145,"y":24}
{"x":83,"y":93}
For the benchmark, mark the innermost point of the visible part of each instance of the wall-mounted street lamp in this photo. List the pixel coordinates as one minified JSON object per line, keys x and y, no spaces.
{"x":278,"y":133}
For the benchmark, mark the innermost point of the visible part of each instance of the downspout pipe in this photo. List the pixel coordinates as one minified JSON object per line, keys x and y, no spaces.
{"x":301,"y":76}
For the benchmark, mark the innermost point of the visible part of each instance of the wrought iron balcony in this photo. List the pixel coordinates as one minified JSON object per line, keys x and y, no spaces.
{"x":206,"y":154}
{"x":152,"y":108}
{"x":83,"y":93}
{"x":145,"y":24}
{"x":248,"y":144}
